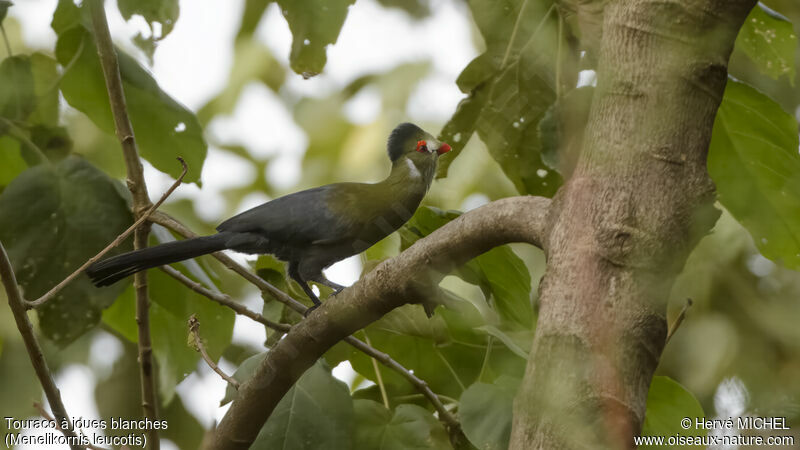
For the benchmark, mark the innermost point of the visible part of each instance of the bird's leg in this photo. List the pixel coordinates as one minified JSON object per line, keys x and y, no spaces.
{"x":321,"y":279}
{"x":295,"y":275}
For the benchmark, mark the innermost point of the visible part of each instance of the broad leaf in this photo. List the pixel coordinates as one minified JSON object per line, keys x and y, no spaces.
{"x":45,"y":79}
{"x":164,"y":128}
{"x":245,"y":370}
{"x":315,"y":24}
{"x":4,"y":5}
{"x":769,"y":40}
{"x":11,"y":162}
{"x":317,"y":412}
{"x":754,"y":161}
{"x":510,"y":87}
{"x":52,"y":219}
{"x":409,"y":427}
{"x":485,"y":412}
{"x":499,"y":272}
{"x":162,"y":12}
{"x":667,"y":404}
{"x":17,"y":98}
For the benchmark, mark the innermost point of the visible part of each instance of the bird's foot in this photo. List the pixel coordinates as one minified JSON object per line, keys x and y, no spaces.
{"x":311,"y":309}
{"x":336,"y":291}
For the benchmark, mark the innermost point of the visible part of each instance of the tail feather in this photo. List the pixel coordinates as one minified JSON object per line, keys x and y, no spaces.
{"x":111,"y":270}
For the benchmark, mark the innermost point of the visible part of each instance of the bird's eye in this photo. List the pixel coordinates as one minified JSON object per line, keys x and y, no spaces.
{"x":422,"y":146}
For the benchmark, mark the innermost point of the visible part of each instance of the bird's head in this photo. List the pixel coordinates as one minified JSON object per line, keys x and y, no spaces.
{"x":410,"y":141}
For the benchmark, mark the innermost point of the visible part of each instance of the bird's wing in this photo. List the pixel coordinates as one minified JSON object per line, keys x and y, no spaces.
{"x":301,"y":217}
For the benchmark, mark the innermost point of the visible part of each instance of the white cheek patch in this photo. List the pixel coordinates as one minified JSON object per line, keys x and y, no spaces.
{"x":412,"y":169}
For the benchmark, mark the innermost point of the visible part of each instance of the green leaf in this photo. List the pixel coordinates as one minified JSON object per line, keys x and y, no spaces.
{"x":418,"y":9}
{"x":17,"y":98}
{"x":485,"y":412}
{"x":753,"y":160}
{"x":164,"y":128}
{"x":506,"y":339}
{"x":315,"y":24}
{"x":510,"y":284}
{"x":11,"y":162}
{"x":317,"y":412}
{"x":768,"y":39}
{"x":245,"y":370}
{"x":4,"y":5}
{"x":163,"y":12}
{"x":54,"y":141}
{"x":510,"y":87}
{"x":68,"y":15}
{"x":45,"y":77}
{"x":499,"y":272}
{"x":409,"y":427}
{"x":72,"y":210}
{"x":561,"y":129}
{"x":667,"y":404}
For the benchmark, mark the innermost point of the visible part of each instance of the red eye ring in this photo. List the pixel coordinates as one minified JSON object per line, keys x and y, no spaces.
{"x":422,"y":146}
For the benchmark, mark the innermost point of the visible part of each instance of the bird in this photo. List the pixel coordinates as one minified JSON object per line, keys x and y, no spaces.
{"x":309,"y":229}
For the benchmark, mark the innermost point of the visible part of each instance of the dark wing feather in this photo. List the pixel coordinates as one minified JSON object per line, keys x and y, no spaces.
{"x":301,"y":217}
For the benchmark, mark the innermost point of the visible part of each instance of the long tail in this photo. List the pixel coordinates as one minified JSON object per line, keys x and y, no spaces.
{"x":111,"y":270}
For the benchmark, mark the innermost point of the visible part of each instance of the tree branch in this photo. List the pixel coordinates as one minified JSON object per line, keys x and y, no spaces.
{"x":17,"y":305}
{"x":197,"y":343}
{"x":403,"y":279}
{"x":444,"y":415}
{"x":141,"y":202}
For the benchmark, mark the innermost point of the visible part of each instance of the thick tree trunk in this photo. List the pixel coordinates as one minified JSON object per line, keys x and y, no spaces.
{"x":623,"y":225}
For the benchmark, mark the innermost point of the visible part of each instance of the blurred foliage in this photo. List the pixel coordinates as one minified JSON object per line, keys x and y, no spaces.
{"x":58,"y":159}
{"x":160,"y":16}
{"x":667,"y":404}
{"x":485,"y":411}
{"x":754,"y":161}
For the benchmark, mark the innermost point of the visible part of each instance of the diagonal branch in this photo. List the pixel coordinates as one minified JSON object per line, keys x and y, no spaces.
{"x":403,"y":279}
{"x":17,"y":305}
{"x":225,"y":300}
{"x":197,"y":342}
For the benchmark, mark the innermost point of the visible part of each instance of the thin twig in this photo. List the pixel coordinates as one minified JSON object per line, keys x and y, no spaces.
{"x":679,"y":319}
{"x":197,"y":343}
{"x":383,"y":358}
{"x":141,"y":202}
{"x":378,"y":376}
{"x":17,"y":306}
{"x":486,"y":357}
{"x":52,"y":293}
{"x":43,"y":412}
{"x":224,"y":300}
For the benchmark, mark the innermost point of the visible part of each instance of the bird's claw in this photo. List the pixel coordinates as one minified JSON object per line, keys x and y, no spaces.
{"x":310,"y":310}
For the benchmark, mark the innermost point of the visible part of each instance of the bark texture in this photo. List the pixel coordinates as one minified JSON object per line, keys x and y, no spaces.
{"x":407,"y":278}
{"x":621,"y":228}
